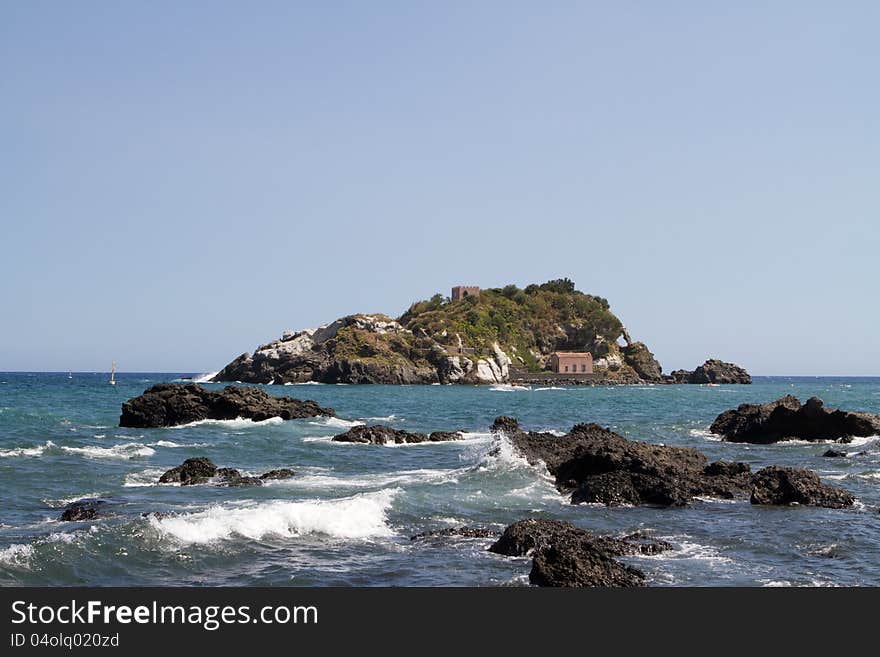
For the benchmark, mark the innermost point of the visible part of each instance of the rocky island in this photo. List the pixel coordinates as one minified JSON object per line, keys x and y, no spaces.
{"x":474,"y":336}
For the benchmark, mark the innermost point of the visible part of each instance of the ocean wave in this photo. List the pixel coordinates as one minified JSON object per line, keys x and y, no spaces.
{"x":148,"y":477}
{"x":705,"y":434}
{"x":17,"y":554}
{"x":121,"y":451}
{"x":172,"y":444}
{"x":386,"y":418}
{"x":36,"y":450}
{"x":320,"y":481}
{"x":64,"y":501}
{"x":506,"y":387}
{"x":237,"y":423}
{"x":358,"y":517}
{"x":549,"y":388}
{"x":205,"y":378}
{"x":336,"y":422}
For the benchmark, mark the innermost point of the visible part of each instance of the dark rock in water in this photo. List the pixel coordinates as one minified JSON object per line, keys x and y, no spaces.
{"x":712,"y":371}
{"x":443,"y":436}
{"x":381,"y":435}
{"x":85,"y":509}
{"x":505,"y":424}
{"x":834,"y":453}
{"x":279,"y":473}
{"x":782,"y":486}
{"x":786,"y":419}
{"x":462,"y":532}
{"x":565,"y":555}
{"x":598,"y":465}
{"x":192,"y":471}
{"x":202,"y":470}
{"x":171,"y":404}
{"x":233,"y":477}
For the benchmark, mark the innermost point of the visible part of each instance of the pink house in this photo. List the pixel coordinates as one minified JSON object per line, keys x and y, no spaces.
{"x":572,"y":362}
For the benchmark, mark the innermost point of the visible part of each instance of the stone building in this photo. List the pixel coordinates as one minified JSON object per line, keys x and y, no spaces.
{"x":459,"y":292}
{"x":572,"y":362}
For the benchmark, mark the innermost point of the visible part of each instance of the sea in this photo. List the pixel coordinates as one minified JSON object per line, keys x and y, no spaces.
{"x":347,"y":517}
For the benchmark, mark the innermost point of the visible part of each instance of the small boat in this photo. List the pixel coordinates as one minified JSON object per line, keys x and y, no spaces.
{"x":113,"y":374}
{"x":713,"y":385}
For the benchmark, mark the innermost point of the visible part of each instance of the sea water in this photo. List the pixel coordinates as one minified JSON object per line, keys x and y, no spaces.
{"x":347,"y":516}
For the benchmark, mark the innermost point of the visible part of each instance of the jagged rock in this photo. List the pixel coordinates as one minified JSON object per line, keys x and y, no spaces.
{"x":779,"y":485}
{"x":834,"y":453}
{"x":279,"y":473}
{"x":202,"y":470}
{"x":712,"y":371}
{"x":638,"y":357}
{"x":85,"y":509}
{"x":786,"y":419}
{"x":170,"y":404}
{"x":462,"y":532}
{"x":443,"y":436}
{"x":505,"y":424}
{"x":567,"y":556}
{"x":381,"y":435}
{"x":597,"y":465}
{"x":192,"y":471}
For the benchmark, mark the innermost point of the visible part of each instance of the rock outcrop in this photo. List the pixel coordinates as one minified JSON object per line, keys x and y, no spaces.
{"x":642,"y":361}
{"x":785,"y":486}
{"x":382,"y":435}
{"x":787,"y":419}
{"x":566,"y":556}
{"x":201,"y":470}
{"x":712,"y":371}
{"x":85,"y":509}
{"x":596,"y":465}
{"x":171,"y":404}
{"x":456,"y":532}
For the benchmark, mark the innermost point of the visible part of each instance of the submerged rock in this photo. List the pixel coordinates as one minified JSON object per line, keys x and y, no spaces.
{"x":712,"y":371}
{"x":461,"y":532}
{"x":787,"y":419}
{"x":834,"y":453}
{"x":201,"y":470}
{"x":382,"y":435}
{"x":598,"y":465}
{"x":567,"y":556}
{"x":85,"y":509}
{"x":784,"y":486}
{"x":279,"y":473}
{"x":171,"y":404}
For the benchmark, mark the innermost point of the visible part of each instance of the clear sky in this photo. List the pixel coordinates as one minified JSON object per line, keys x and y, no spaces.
{"x":180,"y":182}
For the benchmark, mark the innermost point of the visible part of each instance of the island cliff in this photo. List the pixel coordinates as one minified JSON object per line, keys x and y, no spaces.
{"x":477,"y":336}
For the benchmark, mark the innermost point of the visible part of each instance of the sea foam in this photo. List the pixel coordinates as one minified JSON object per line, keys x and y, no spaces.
{"x":358,"y":517}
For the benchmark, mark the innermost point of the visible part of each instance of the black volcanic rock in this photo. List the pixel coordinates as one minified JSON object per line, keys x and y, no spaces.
{"x":171,"y":404}
{"x":456,"y":532}
{"x":279,"y":473}
{"x":787,"y":419}
{"x":639,"y":357}
{"x":783,"y":486}
{"x":202,"y":470}
{"x":566,"y":556}
{"x":834,"y":453}
{"x":598,"y":465}
{"x":712,"y":371}
{"x":85,"y":509}
{"x":379,"y":434}
{"x":505,"y":424}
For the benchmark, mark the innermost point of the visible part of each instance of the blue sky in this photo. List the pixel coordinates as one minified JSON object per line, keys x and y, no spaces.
{"x":180,"y":182}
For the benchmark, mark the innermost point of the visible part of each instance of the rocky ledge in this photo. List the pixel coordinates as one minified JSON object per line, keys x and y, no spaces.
{"x":382,"y":435}
{"x":712,"y":371}
{"x":171,"y":404}
{"x":84,"y":509}
{"x":596,"y":465}
{"x":201,"y":470}
{"x":566,"y":556}
{"x":787,"y":419}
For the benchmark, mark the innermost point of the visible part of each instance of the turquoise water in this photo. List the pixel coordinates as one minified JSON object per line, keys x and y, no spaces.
{"x":347,"y":516}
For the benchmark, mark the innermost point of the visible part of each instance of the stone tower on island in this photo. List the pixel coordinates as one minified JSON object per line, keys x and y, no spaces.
{"x":459,"y":292}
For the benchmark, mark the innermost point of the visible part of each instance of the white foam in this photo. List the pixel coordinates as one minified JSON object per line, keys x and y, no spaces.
{"x":205,"y":378}
{"x":305,"y":383}
{"x":386,"y":418}
{"x":336,"y":422}
{"x":122,"y":451}
{"x":358,"y":517}
{"x":237,"y":423}
{"x":16,"y":554}
{"x":148,"y":477}
{"x":506,"y":387}
{"x":318,"y":439}
{"x":549,"y":388}
{"x":36,"y":450}
{"x":64,"y":501}
{"x":170,"y":443}
{"x":705,"y":434}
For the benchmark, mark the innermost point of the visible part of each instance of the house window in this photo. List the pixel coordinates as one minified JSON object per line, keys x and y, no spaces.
{"x":566,"y":368}
{"x":583,"y":368}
